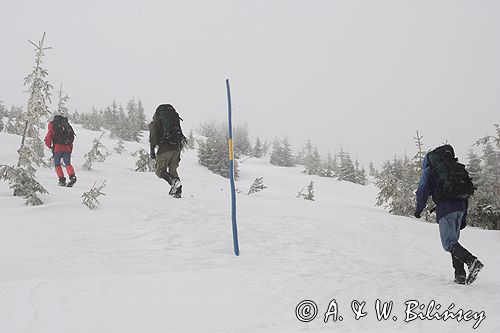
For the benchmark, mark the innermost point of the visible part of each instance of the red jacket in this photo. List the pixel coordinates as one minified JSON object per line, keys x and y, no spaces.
{"x":58,"y":148}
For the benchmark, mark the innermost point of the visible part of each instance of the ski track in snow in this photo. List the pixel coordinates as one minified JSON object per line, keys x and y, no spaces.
{"x":145,"y":262}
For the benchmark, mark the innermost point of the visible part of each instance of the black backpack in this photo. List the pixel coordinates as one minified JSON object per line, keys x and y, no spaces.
{"x":171,"y":131}
{"x":63,"y":132}
{"x":449,"y":179}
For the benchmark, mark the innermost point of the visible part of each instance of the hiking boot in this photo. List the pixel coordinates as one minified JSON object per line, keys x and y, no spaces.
{"x":62,"y":181}
{"x":459,"y":279}
{"x":178,"y":193}
{"x":176,"y":184}
{"x":474,"y":269}
{"x":72,"y":181}
{"x":459,"y":270}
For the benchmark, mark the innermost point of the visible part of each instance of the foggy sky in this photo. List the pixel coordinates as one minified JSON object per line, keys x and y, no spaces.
{"x":362,"y":75}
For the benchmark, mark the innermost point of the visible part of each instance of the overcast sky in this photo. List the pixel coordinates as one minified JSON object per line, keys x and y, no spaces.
{"x":364,"y":75}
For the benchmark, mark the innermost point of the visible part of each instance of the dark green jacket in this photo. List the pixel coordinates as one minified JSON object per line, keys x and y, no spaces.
{"x":155,"y":136}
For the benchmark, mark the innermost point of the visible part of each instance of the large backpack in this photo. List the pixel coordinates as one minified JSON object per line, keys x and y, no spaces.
{"x":171,"y":132}
{"x":63,"y":132}
{"x":449,"y":179}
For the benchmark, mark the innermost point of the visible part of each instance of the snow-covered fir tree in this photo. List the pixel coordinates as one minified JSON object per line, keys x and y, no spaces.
{"x":489,"y":188}
{"x":144,"y":162}
{"x":360,"y":173}
{"x":371,"y":170}
{"x":3,"y":113}
{"x":120,"y":146}
{"x":38,"y":109}
{"x":62,"y":109}
{"x":257,"y":186}
{"x":287,"y":159}
{"x":92,"y":121}
{"x":281,"y":153}
{"x":191,"y":141}
{"x":136,"y":121}
{"x":397,"y":183}
{"x":22,"y":178}
{"x":308,"y":194}
{"x":97,"y":153}
{"x":258,"y":149}
{"x":213,"y":150}
{"x":311,"y":159}
{"x":276,"y":152}
{"x":265,"y":147}
{"x":242,"y":143}
{"x":484,"y":206}
{"x":329,"y":167}
{"x":346,"y":170}
{"x":10,"y":128}
{"x":90,"y":198}
{"x":141,"y":116}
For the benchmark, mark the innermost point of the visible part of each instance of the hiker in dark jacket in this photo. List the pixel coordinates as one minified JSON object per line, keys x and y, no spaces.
{"x":165,"y":133}
{"x":451,"y":216}
{"x":59,"y":139}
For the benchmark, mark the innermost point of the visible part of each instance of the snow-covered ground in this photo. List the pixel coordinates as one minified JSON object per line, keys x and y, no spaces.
{"x":145,"y":262}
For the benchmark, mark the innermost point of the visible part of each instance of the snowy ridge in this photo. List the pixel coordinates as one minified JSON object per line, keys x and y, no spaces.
{"x":145,"y":262}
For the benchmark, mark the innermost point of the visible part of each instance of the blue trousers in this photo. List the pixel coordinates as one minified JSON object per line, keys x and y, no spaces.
{"x":449,"y":229}
{"x":65,"y":156}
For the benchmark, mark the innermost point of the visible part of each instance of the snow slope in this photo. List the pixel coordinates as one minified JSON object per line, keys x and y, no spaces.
{"x":145,"y":262}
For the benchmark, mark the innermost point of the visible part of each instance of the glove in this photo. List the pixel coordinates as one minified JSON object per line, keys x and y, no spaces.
{"x":417,"y":215}
{"x":152,"y":154}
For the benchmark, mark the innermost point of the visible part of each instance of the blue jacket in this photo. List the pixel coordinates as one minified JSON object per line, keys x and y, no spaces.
{"x":425,"y":190}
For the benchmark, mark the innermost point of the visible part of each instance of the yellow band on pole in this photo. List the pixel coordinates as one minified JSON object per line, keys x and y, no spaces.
{"x":231,"y":149}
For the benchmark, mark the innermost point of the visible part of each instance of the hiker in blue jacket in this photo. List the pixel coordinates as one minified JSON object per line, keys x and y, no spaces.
{"x":451,"y":216}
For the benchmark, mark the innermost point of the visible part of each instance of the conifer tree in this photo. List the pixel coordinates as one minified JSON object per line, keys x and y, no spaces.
{"x":309,"y":195}
{"x":97,"y":153}
{"x":311,"y":158}
{"x":242,"y":143}
{"x":397,"y":185}
{"x":90,"y":198}
{"x":328,"y":169}
{"x":371,"y":170}
{"x":258,"y":149}
{"x":3,"y":113}
{"x":287,"y":158}
{"x":135,"y":121}
{"x":22,"y":178}
{"x":141,"y":116}
{"x":265,"y":147}
{"x":360,"y":173}
{"x":120,"y":146}
{"x":213,"y":151}
{"x":346,"y":171}
{"x":62,"y":109}
{"x":191,"y":141}
{"x":276,"y":153}
{"x":257,"y":186}
{"x":144,"y":162}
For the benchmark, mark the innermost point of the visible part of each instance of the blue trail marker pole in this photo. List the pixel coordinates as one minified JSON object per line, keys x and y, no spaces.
{"x":231,"y":172}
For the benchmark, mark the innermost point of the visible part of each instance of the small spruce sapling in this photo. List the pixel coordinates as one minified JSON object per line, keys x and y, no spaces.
{"x":90,"y":197}
{"x":120,"y":146}
{"x":98,"y":153}
{"x":310,"y":192}
{"x":144,"y":163}
{"x":257,"y":186}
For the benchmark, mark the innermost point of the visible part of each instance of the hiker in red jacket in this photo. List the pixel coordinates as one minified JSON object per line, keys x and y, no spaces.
{"x":60,"y":139}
